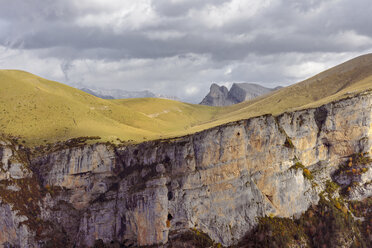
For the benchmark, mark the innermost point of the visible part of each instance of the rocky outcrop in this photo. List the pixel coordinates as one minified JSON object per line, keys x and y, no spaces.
{"x":218,"y":181}
{"x":217,"y":96}
{"x":239,"y":92}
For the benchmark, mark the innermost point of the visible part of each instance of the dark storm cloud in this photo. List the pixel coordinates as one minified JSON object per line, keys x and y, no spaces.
{"x":275,"y":30}
{"x":200,"y":41}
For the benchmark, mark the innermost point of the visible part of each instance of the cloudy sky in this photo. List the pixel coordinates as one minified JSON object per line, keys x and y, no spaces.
{"x":180,"y":47}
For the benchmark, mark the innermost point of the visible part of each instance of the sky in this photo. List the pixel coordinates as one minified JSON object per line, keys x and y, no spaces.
{"x":180,"y":47}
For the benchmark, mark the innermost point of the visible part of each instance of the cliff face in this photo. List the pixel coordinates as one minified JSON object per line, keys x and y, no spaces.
{"x":217,"y":96}
{"x":217,"y":181}
{"x":239,"y":92}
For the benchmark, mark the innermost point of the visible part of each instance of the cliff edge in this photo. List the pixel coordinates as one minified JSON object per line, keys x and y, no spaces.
{"x":221,"y":182}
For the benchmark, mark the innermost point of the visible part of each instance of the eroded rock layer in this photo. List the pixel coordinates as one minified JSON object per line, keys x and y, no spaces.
{"x":218,"y":181}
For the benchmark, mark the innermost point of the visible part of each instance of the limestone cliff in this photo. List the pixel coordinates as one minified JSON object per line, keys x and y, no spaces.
{"x":218,"y":181}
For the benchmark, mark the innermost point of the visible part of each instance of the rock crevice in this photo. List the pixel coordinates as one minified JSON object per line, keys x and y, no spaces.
{"x":218,"y":181}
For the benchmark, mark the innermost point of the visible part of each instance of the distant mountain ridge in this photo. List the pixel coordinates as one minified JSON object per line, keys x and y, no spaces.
{"x":80,"y":171}
{"x":239,"y":92}
{"x":123,"y":94}
{"x":43,"y":111}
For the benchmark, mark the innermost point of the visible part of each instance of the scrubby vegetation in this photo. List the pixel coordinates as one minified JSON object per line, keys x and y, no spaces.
{"x":193,"y":238}
{"x":42,"y":111}
{"x":356,"y":164}
{"x":288,"y":142}
{"x":328,"y":224}
{"x":331,"y":188}
{"x":60,"y":145}
{"x":274,"y":232}
{"x":24,"y":195}
{"x":350,"y":172}
{"x":363,"y":210}
{"x":306,"y":172}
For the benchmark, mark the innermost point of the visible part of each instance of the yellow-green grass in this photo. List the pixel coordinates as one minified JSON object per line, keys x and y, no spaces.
{"x":40,"y":111}
{"x":344,"y":80}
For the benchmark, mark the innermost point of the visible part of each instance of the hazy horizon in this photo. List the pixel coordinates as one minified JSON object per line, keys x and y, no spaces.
{"x":179,"y":48}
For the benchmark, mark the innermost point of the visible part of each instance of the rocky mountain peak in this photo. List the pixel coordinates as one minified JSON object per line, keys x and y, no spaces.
{"x":217,"y":96}
{"x":239,"y":92}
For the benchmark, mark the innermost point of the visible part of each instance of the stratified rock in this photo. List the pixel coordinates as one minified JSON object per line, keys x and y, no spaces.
{"x":218,"y":181}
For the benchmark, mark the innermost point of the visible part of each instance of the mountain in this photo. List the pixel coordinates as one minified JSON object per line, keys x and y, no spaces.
{"x":39,"y":110}
{"x":239,"y":92}
{"x":217,"y":96}
{"x":42,"y":111}
{"x":291,"y":168}
{"x":123,"y":94}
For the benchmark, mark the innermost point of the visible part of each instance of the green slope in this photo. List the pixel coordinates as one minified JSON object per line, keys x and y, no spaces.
{"x":347,"y":79}
{"x":37,"y":109}
{"x":40,"y":111}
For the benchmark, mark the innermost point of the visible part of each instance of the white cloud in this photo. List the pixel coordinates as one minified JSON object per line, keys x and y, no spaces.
{"x":228,"y":71}
{"x":304,"y":69}
{"x":120,"y":15}
{"x":28,"y":61}
{"x":227,"y":84}
{"x":215,"y":16}
{"x":191,"y":90}
{"x":352,"y":39}
{"x":180,"y":47}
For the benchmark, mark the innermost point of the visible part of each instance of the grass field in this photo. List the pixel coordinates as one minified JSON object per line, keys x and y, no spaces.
{"x":42,"y":111}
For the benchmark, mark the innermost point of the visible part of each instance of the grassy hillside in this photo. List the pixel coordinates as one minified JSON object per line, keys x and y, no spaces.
{"x":37,"y":109}
{"x":40,"y":111}
{"x":347,"y":79}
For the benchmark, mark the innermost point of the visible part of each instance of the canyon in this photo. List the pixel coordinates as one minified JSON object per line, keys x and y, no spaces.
{"x":218,"y":182}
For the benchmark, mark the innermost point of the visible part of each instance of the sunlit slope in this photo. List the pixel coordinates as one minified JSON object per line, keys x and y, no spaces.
{"x":344,"y":80}
{"x":37,"y":109}
{"x":40,"y":111}
{"x":174,"y":116}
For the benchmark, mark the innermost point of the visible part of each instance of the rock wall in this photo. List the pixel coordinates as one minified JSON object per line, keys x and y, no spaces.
{"x":217,"y":181}
{"x":239,"y":92}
